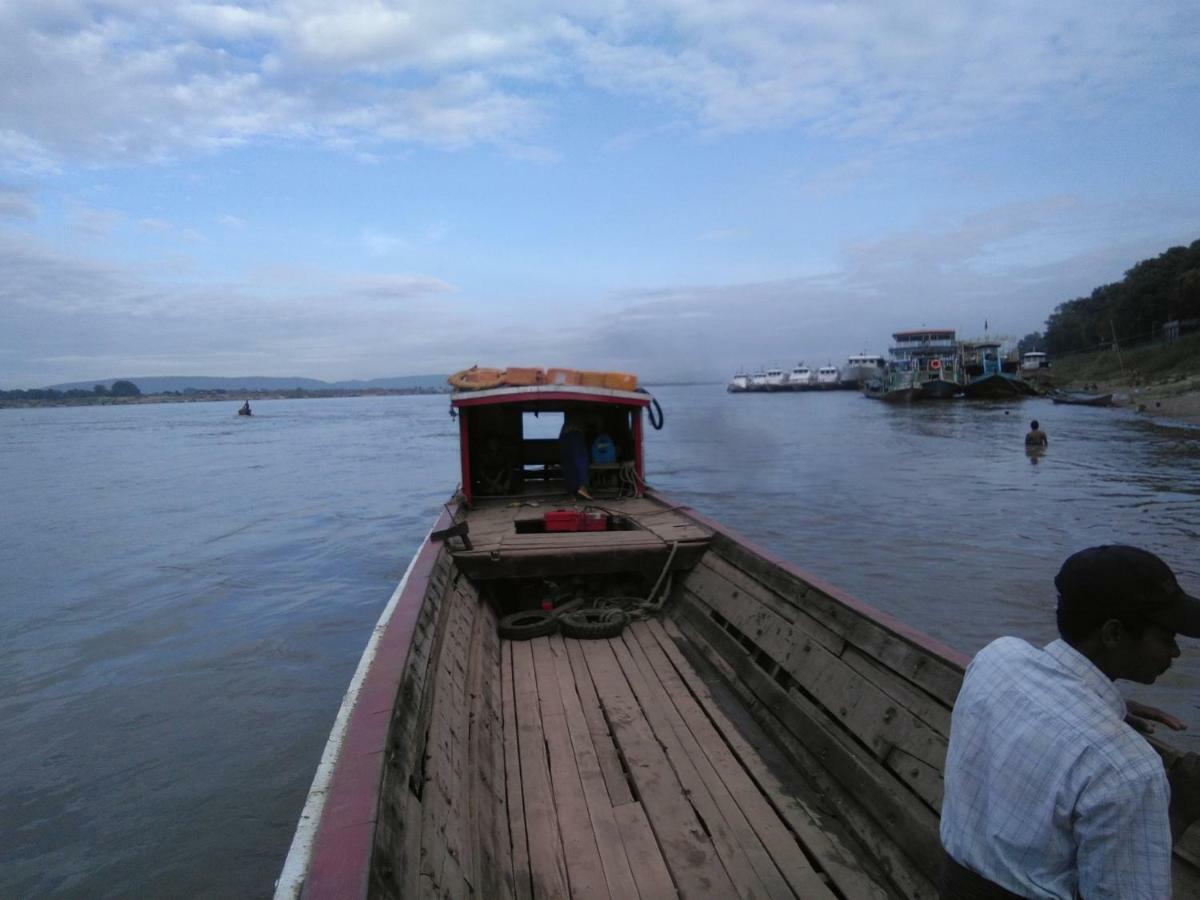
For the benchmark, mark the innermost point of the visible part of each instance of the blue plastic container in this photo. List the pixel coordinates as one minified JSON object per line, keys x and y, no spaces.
{"x":603,"y":450}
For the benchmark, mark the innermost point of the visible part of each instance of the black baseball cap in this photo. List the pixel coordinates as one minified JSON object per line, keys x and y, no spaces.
{"x":1124,"y":580}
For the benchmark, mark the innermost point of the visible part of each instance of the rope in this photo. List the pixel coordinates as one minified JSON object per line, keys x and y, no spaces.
{"x":644,"y":607}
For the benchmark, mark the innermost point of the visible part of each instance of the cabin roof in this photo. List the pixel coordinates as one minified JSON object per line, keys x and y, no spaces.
{"x":549,"y":394}
{"x":931,"y":332}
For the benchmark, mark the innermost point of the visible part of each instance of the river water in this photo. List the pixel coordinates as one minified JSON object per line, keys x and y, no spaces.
{"x":186,"y":593}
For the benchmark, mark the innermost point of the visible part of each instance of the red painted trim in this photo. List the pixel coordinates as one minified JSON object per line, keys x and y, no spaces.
{"x":464,"y":452}
{"x":560,"y":395}
{"x":340,"y":862}
{"x":639,"y":453}
{"x":911,"y":635}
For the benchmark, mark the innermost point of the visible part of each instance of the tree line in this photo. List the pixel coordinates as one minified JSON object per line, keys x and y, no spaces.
{"x":118,"y":389}
{"x":1131,"y":311}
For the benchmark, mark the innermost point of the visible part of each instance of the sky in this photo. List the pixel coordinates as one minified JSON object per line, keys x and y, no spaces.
{"x":678,"y":189}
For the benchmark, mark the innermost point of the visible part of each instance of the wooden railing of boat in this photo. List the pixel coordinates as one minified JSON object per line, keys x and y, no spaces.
{"x":449,"y":777}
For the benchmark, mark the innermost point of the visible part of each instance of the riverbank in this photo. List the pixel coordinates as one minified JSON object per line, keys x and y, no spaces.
{"x":1162,"y":381}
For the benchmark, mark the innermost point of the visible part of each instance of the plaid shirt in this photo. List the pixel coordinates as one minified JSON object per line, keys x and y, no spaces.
{"x":1048,"y":792}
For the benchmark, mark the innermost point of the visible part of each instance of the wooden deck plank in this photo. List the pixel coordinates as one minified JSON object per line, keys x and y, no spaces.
{"x":547,"y":864}
{"x":451,"y":875}
{"x":775,"y":774}
{"x":409,"y":735}
{"x":617,"y":874}
{"x":746,"y":861}
{"x":641,"y":847}
{"x":491,"y":864}
{"x":902,"y":824}
{"x":690,"y":856}
{"x":585,"y":874}
{"x":778,"y":841}
{"x":939,"y":677}
{"x":602,"y":740}
{"x":879,"y":720}
{"x":579,"y":540}
{"x":514,"y":790}
{"x":436,"y":811}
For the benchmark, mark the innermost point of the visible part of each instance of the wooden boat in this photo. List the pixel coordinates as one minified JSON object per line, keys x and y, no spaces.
{"x":1074,"y":399}
{"x":989,"y":375}
{"x":752,"y":731}
{"x":895,"y":384}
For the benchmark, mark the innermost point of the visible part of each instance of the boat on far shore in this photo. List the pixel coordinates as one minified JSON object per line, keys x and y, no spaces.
{"x":1074,"y":398}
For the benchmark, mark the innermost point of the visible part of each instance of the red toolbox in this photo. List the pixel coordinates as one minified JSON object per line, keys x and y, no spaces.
{"x":562,"y":520}
{"x":593,"y":520}
{"x":574,"y":520}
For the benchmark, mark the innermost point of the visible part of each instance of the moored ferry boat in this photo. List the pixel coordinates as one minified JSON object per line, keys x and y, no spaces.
{"x":934,"y":360}
{"x":990,"y":376}
{"x":828,"y":377}
{"x":859,"y":367}
{"x":775,"y":380}
{"x":739,"y":383}
{"x":801,"y":378}
{"x":621,"y":697}
{"x":895,"y":384}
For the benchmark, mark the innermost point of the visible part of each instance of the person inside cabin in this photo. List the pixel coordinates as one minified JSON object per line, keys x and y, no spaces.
{"x":573,"y":453}
{"x":1050,"y":789}
{"x":1036,"y":437}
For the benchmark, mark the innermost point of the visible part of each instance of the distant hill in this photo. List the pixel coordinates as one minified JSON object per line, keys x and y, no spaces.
{"x":158,"y":384}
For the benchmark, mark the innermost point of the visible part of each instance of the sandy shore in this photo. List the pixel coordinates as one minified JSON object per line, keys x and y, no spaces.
{"x":1178,"y":401}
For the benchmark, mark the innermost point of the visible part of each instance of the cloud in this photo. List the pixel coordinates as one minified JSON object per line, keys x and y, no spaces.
{"x":117,"y":81}
{"x":16,"y":203}
{"x":68,"y":317}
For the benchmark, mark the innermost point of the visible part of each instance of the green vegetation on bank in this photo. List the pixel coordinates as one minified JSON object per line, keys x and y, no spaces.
{"x":1131,"y":311}
{"x":1175,"y":362}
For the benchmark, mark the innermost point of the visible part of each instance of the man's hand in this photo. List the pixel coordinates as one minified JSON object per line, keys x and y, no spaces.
{"x":1142,"y":717}
{"x":1184,"y":777}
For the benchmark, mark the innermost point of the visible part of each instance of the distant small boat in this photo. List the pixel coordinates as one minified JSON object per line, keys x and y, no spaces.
{"x":1074,"y":399}
{"x":244,"y":409}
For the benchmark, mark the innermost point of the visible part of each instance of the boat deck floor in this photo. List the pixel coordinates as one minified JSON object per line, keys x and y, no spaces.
{"x":498,"y":550}
{"x":628,"y":774}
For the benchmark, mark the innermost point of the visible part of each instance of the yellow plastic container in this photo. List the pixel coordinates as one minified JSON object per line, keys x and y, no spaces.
{"x":519,"y":377}
{"x":562,"y":376}
{"x":592,"y":379}
{"x":620,"y":381}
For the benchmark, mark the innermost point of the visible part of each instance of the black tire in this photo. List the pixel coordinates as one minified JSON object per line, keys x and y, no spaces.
{"x":532,"y":623}
{"x":593,"y":623}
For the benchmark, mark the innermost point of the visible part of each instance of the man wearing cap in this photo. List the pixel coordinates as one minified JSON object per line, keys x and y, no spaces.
{"x":1048,"y":790}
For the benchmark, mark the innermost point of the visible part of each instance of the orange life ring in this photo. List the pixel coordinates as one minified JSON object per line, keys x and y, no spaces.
{"x":476,"y":379}
{"x":935,"y":364}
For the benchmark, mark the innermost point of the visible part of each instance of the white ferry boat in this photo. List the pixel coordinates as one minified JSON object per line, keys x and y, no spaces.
{"x":775,"y":379}
{"x":739,"y":383}
{"x":828,"y":377}
{"x":861,"y":367}
{"x":801,"y":378}
{"x":758,"y":381}
{"x":1034,"y":359}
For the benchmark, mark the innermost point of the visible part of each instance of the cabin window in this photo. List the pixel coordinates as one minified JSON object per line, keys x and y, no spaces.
{"x":541,"y":425}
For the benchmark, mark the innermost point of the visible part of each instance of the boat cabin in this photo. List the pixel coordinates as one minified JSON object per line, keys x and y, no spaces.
{"x":1034,"y":359}
{"x":509,"y":438}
